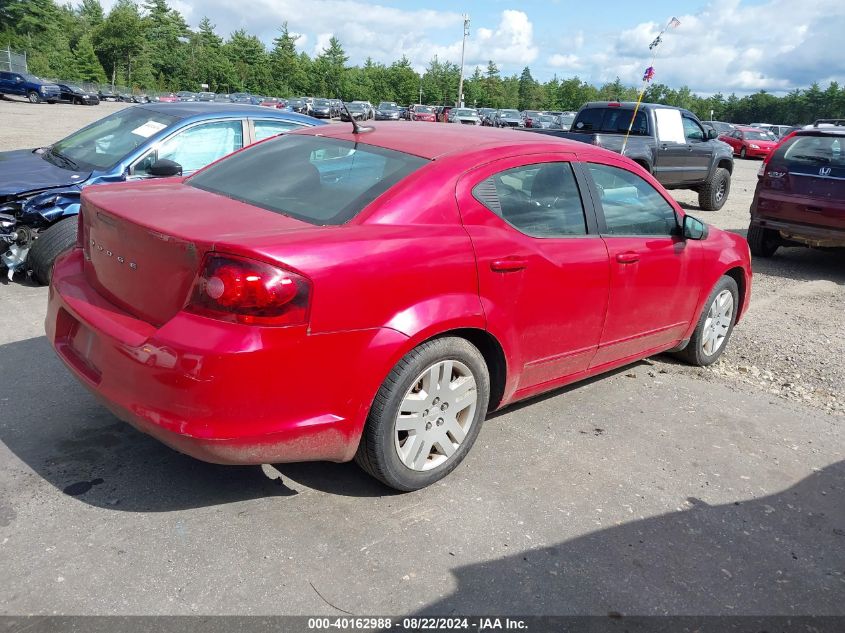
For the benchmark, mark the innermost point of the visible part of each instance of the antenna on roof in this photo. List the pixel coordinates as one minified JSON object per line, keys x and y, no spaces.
{"x":356,"y":129}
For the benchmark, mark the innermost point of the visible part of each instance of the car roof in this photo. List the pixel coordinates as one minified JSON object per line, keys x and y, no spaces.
{"x":200,"y":109}
{"x":433,"y":141}
{"x":822,"y":131}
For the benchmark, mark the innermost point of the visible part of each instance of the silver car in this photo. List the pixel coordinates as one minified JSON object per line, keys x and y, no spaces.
{"x":466,"y":116}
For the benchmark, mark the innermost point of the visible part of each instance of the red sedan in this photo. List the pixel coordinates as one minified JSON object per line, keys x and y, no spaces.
{"x":328,"y":295}
{"x":423,"y":113}
{"x":750,"y":142}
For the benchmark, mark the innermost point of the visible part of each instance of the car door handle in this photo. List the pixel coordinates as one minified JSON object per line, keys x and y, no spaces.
{"x":508,"y":264}
{"x":628,"y":257}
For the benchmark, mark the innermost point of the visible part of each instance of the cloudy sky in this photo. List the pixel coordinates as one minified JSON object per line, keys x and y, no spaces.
{"x":721,"y":45}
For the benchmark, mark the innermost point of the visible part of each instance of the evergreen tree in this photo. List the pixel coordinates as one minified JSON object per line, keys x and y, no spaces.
{"x":88,"y":67}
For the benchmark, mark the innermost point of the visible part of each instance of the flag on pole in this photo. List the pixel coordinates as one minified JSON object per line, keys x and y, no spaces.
{"x":648,"y":75}
{"x":674,"y":23}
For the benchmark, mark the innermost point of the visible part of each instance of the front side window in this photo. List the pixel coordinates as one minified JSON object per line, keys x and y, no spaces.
{"x":319,"y":180}
{"x":202,"y":144}
{"x":266,"y":129}
{"x":631,"y":205}
{"x":539,"y":200}
{"x":692,"y":130}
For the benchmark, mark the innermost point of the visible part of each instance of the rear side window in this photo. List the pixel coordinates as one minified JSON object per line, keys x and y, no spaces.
{"x":631,"y":206}
{"x":813,"y":150}
{"x":611,"y":120}
{"x":539,"y":200}
{"x":318,"y":180}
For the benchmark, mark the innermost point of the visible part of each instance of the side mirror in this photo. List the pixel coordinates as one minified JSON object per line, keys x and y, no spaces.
{"x":712,"y":134}
{"x":694,"y":229}
{"x":164,"y":168}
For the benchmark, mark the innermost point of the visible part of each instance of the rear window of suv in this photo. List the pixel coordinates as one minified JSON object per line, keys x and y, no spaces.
{"x":315,"y":179}
{"x":813,"y":150}
{"x":613,"y":120}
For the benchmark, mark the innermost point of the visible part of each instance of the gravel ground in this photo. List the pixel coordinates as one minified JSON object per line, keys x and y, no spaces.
{"x":791,"y":343}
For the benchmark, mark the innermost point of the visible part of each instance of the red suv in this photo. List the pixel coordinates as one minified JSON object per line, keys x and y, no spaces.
{"x":800,"y":196}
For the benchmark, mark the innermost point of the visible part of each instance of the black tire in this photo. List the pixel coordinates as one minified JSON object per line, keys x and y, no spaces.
{"x":377,"y":454}
{"x":714,"y":192}
{"x":742,"y":153}
{"x":78,"y":101}
{"x":762,"y":242}
{"x":694,"y":352}
{"x":33,"y":97}
{"x":50,"y":244}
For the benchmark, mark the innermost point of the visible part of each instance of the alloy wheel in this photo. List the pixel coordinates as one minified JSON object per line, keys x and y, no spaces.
{"x":718,"y":322}
{"x":435,"y":415}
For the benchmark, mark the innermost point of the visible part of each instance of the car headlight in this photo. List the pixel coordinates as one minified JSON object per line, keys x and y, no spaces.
{"x":753,"y":146}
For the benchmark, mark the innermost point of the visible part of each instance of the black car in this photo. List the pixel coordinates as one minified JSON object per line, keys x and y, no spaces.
{"x":71,"y":93}
{"x":107,"y":95}
{"x":300,"y":105}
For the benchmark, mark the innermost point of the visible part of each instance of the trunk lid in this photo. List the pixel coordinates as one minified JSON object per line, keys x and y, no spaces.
{"x":144,"y":243}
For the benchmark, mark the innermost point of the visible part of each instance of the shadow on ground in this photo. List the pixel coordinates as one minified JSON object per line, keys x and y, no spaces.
{"x":57,"y":429}
{"x":780,"y":554}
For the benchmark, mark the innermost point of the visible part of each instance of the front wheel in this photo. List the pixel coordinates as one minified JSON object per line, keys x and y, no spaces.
{"x":742,"y":153}
{"x":426,"y":415}
{"x":33,"y":97}
{"x":714,"y":192}
{"x":714,"y":327}
{"x":50,"y":244}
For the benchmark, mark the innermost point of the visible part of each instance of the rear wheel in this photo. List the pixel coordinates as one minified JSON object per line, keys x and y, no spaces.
{"x":50,"y":244}
{"x":33,"y":97}
{"x":426,"y":415}
{"x":714,"y":327}
{"x":762,"y":242}
{"x":714,"y":192}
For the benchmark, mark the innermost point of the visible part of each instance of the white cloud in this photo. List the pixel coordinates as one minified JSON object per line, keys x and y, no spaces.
{"x":322,"y":43}
{"x":730,"y":46}
{"x":568,"y":62}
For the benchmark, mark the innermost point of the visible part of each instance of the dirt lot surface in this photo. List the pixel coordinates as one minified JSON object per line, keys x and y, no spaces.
{"x":657,"y":489}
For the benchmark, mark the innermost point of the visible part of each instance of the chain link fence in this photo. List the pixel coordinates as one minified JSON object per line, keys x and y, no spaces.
{"x":12,"y":62}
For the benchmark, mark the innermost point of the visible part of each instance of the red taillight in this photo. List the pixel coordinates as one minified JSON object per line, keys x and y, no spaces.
{"x":242,"y":290}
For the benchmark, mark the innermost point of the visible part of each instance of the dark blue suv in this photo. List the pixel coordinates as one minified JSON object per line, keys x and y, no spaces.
{"x":29,"y":86}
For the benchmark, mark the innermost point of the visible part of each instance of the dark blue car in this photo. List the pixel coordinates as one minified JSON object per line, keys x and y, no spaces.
{"x":40,"y":189}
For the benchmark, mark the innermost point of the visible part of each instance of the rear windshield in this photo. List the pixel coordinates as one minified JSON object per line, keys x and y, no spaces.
{"x":813,"y":150}
{"x":318,"y":180}
{"x":612,"y":120}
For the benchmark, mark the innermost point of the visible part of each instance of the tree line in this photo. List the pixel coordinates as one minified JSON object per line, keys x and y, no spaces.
{"x":149,"y":47}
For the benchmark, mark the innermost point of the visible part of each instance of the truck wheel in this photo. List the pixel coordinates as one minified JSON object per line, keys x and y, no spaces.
{"x":50,"y":244}
{"x":33,"y":97}
{"x":714,"y":192}
{"x":426,"y":415}
{"x":762,"y":242}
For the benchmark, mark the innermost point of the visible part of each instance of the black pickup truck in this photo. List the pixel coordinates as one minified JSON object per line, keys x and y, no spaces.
{"x":670,"y":143}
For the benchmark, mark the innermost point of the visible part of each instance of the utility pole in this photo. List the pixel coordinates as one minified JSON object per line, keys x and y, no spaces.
{"x":460,"y":103}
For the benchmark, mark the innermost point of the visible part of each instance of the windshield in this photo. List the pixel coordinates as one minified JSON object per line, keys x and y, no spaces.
{"x":762,"y":135}
{"x":466,"y":112}
{"x":388,"y":106}
{"x":357,"y":107}
{"x":547,"y":119}
{"x":510,"y":113}
{"x":105,"y":142}
{"x":74,"y":88}
{"x":323,"y":103}
{"x":311,"y":178}
{"x":423,"y":109}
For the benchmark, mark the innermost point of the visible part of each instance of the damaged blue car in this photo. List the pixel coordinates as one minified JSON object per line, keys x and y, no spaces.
{"x":40,"y":188}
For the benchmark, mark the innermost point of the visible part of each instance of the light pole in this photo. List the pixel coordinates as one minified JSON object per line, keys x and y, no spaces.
{"x":460,"y":103}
